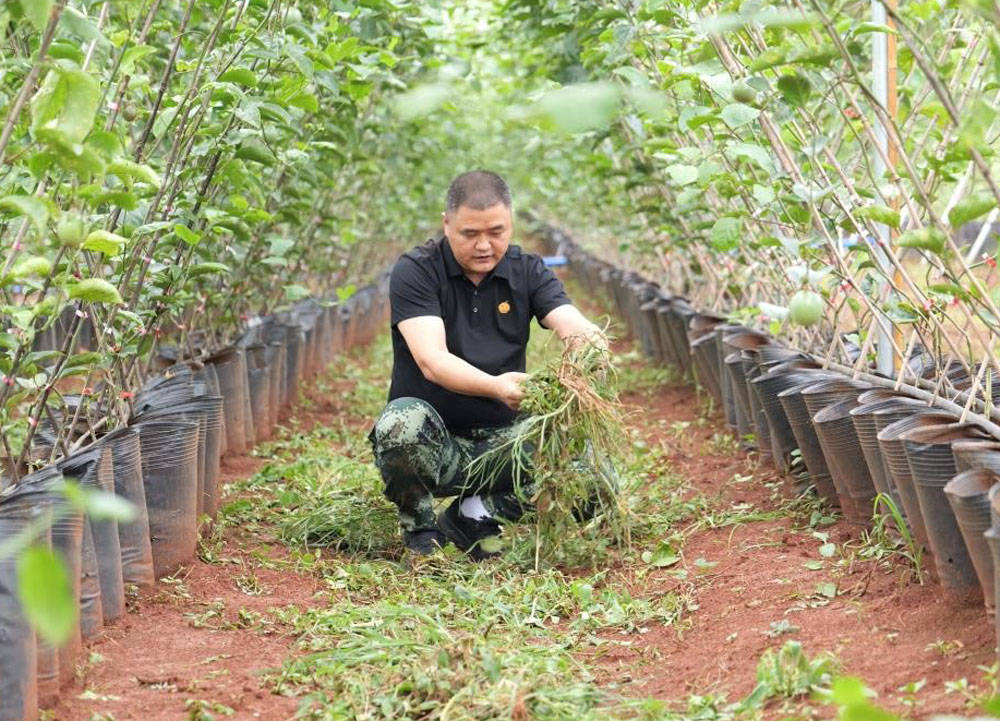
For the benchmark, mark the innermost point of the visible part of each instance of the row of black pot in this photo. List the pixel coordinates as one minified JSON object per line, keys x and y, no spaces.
{"x":166,"y":461}
{"x":853,"y":442}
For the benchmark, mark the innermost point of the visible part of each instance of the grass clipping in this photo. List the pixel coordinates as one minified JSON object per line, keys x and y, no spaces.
{"x":567,"y":448}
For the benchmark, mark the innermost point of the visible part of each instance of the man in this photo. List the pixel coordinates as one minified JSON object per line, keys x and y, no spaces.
{"x":462,"y":306}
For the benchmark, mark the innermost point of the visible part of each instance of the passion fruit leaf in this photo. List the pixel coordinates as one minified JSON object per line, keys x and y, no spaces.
{"x":95,"y":290}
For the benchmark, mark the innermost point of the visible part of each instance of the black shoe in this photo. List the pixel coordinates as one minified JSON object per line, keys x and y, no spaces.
{"x":424,"y":541}
{"x":477,"y":538}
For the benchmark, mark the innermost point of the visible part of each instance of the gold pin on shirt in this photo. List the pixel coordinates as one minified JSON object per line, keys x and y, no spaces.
{"x":504,"y":308}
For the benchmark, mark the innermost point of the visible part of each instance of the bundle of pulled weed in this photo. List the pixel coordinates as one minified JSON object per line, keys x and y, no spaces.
{"x":566,"y":449}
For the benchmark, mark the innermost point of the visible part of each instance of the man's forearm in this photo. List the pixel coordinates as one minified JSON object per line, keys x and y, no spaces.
{"x":451,"y":372}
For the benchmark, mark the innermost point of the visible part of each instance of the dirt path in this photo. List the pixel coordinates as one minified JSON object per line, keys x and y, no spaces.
{"x":752,"y":578}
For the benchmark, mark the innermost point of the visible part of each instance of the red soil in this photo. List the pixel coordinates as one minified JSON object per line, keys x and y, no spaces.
{"x":880,"y":628}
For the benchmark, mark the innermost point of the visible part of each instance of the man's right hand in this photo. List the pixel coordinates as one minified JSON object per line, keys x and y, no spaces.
{"x":508,"y":388}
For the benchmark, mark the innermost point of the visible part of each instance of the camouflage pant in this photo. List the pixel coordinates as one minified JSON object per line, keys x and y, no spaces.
{"x":420,"y":459}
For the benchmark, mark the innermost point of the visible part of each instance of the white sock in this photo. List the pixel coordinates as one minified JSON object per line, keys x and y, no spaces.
{"x":472,"y":507}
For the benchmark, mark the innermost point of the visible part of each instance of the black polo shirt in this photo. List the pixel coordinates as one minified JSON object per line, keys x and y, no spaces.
{"x":486,"y":325}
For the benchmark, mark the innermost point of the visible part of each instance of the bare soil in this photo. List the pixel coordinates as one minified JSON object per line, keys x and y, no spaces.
{"x":881,"y":628}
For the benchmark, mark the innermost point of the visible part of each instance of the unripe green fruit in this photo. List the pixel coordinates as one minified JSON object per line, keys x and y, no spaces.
{"x":70,"y":230}
{"x":130,"y":112}
{"x":293,"y":16}
{"x":805,"y":308}
{"x":744,"y":93}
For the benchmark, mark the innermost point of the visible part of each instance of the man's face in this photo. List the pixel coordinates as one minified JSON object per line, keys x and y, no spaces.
{"x":478,"y":238}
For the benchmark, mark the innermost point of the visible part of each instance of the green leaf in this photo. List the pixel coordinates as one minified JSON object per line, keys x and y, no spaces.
{"x":34,"y":209}
{"x":421,"y":100}
{"x":37,"y":12}
{"x":133,"y":55}
{"x":46,"y":595}
{"x":683,"y":174}
{"x":256,"y":151}
{"x":827,"y":550}
{"x":795,"y":89}
{"x":65,"y":105}
{"x":581,"y":107}
{"x":880,"y":214}
{"x":970,"y":208}
{"x":32,"y":265}
{"x":870,"y":27}
{"x":296,"y":292}
{"x":128,"y":169}
{"x":756,"y":153}
{"x":208,"y":268}
{"x":95,"y":290}
{"x":240,"y":76}
{"x":737,"y":114}
{"x":662,"y":556}
{"x":186,"y":234}
{"x":101,"y":241}
{"x":725,"y":234}
{"x":102,"y":505}
{"x":929,"y":239}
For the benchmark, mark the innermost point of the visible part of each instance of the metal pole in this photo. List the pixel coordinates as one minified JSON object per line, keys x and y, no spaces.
{"x":884,"y":89}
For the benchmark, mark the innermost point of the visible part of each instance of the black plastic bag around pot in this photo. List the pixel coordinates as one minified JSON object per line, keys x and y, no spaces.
{"x":91,"y":608}
{"x":19,"y":660}
{"x":968,"y":495}
{"x":800,"y":421}
{"x":260,"y":399}
{"x":863,"y":418}
{"x":928,"y":451}
{"x":992,"y":536}
{"x":94,"y":467}
{"x":170,"y":479}
{"x":274,"y":359}
{"x":774,"y":379}
{"x":42,"y":489}
{"x":206,"y":411}
{"x":230,"y":367}
{"x":890,"y":425}
{"x":848,"y":468}
{"x":133,"y":537}
{"x":983,"y":453}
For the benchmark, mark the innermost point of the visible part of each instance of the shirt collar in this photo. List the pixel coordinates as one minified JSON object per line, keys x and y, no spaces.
{"x":502,"y":269}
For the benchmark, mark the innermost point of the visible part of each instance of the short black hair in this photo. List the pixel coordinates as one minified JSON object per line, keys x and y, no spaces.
{"x":478,"y":190}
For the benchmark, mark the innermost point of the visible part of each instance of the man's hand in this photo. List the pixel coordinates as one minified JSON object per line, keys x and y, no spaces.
{"x":509,"y":390}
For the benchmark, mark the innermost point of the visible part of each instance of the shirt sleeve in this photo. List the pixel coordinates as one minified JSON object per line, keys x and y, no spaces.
{"x":545,"y":289}
{"x":412,"y":291}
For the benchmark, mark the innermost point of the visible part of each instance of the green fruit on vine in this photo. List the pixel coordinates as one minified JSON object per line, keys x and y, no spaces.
{"x":293,"y":16}
{"x":130,"y":112}
{"x":71,"y":230}
{"x":744,"y":93}
{"x":805,"y":308}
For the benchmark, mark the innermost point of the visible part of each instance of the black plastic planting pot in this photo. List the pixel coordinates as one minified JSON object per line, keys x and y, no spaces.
{"x":230,"y":367}
{"x":863,"y":418}
{"x":170,"y":479}
{"x":21,"y":666}
{"x":800,"y":420}
{"x":734,"y":344}
{"x":848,"y":468}
{"x":704,"y":353}
{"x":94,"y":467}
{"x":992,"y":536}
{"x":133,"y":537}
{"x":932,"y":464}
{"x":772,"y":380}
{"x":968,"y":495}
{"x":891,"y":425}
{"x":982,"y":453}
